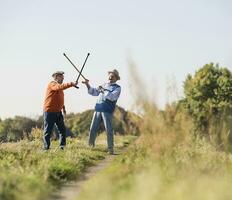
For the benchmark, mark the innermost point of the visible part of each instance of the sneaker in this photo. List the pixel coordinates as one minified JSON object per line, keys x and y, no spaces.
{"x":61,"y":148}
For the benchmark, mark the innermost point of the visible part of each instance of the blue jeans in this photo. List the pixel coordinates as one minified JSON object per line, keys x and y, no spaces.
{"x":51,"y":119}
{"x":107,"y":120}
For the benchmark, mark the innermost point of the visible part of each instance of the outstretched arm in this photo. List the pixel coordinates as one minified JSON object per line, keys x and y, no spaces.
{"x":86,"y":82}
{"x":56,"y":86}
{"x":92,"y":91}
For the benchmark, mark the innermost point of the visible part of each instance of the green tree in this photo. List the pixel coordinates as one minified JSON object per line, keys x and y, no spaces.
{"x":208,"y":98}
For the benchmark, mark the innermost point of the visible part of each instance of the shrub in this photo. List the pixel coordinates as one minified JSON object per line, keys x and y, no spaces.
{"x":208,"y":99}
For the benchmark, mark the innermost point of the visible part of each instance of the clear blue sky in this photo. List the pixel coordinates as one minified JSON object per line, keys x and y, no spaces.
{"x":165,"y":38}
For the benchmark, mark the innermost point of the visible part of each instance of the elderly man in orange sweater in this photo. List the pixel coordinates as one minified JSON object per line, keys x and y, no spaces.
{"x":53,"y":106}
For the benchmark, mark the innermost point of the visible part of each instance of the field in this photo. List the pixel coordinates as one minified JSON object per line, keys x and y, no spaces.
{"x":28,"y":172}
{"x":182,"y":152}
{"x":194,"y":171}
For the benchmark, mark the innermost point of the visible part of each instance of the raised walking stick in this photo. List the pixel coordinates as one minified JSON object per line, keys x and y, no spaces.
{"x":74,"y":65}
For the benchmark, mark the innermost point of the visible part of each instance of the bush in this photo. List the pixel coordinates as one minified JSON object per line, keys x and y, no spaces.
{"x":208,"y":99}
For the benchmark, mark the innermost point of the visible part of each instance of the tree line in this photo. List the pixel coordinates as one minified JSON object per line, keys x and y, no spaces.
{"x":77,"y":124}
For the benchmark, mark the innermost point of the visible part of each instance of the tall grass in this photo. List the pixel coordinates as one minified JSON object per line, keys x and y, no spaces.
{"x":29,"y":173}
{"x":167,"y":162}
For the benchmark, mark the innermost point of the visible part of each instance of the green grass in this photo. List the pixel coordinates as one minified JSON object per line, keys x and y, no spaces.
{"x":28,"y":172}
{"x":194,"y":170}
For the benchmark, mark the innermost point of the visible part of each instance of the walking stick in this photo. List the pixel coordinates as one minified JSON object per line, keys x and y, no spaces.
{"x":80,"y":73}
{"x":74,"y":65}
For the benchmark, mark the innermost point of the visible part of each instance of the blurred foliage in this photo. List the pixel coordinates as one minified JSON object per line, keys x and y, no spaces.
{"x":171,"y":160}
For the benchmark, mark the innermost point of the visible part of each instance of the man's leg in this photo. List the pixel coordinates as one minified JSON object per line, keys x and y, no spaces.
{"x":61,"y":129}
{"x":107,"y":119}
{"x":93,"y":128}
{"x":49,"y":120}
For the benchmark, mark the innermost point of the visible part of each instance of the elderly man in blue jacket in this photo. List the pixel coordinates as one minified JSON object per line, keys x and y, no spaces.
{"x":108,"y":95}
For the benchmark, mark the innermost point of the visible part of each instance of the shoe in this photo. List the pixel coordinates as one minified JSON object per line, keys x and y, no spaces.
{"x":91,"y":146}
{"x":61,"y":148}
{"x":110,"y":152}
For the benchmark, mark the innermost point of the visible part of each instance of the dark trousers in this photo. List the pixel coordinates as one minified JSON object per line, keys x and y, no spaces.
{"x":51,"y":118}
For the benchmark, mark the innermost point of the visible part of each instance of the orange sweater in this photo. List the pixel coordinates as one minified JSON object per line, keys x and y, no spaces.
{"x":54,"y":99}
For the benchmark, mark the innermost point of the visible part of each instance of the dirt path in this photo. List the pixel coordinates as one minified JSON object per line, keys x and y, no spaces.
{"x":71,"y":190}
